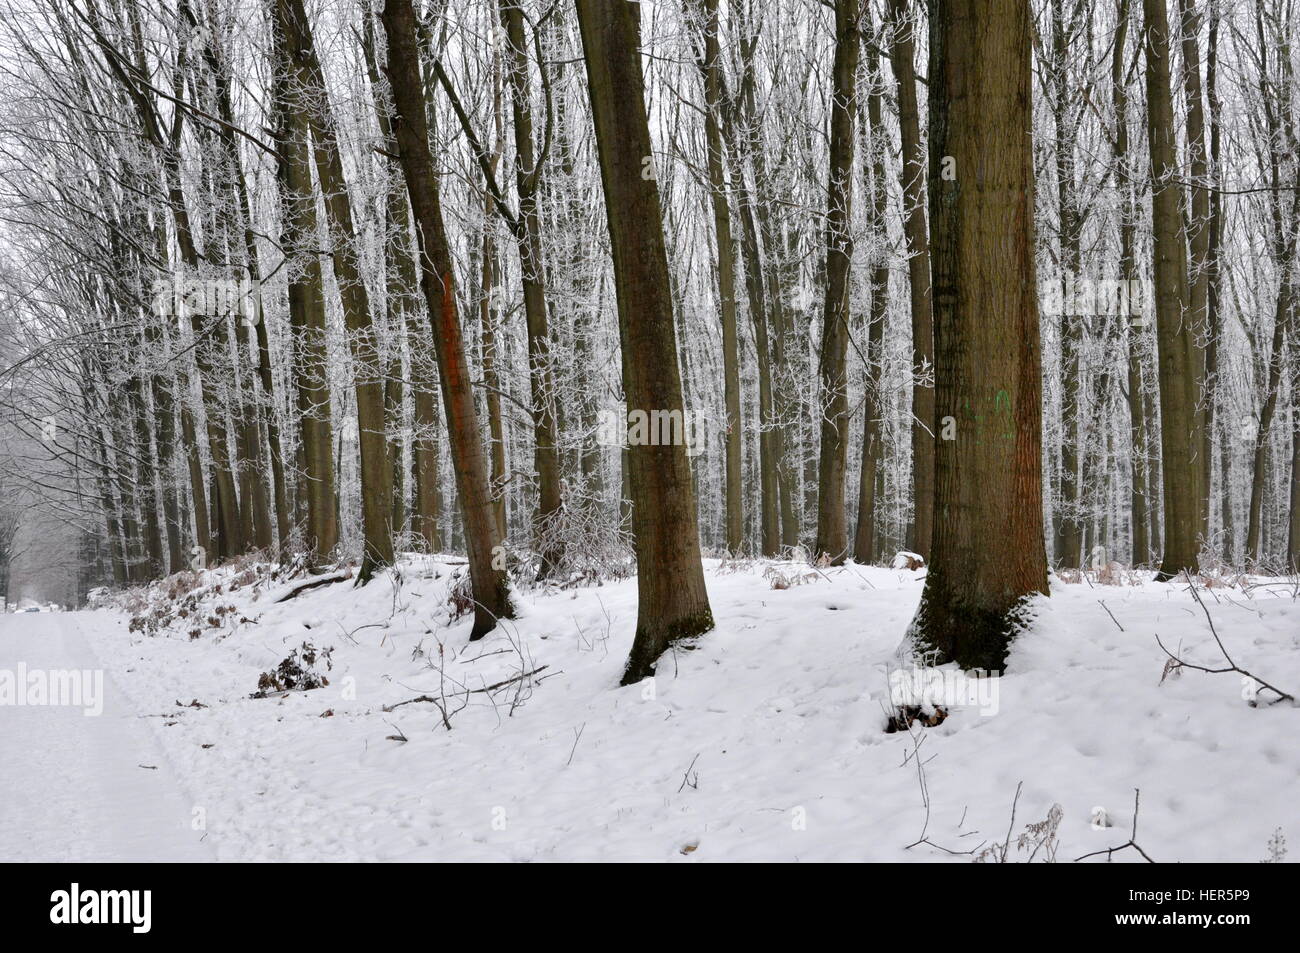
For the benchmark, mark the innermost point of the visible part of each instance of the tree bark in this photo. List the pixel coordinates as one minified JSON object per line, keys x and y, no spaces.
{"x":832,"y":532}
{"x":987,"y":555}
{"x":918,"y":275}
{"x":873,"y":162}
{"x":300,"y":238}
{"x":528,"y":237}
{"x":490,"y":584}
{"x":672,"y":601}
{"x":709,"y":59}
{"x":1182,"y":362}
{"x":368,"y":372}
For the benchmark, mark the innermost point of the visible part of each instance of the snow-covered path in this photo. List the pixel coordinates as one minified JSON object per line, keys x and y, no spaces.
{"x":71,"y":784}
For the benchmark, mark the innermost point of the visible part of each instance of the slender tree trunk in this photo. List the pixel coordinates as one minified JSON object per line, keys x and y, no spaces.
{"x":832,"y":532}
{"x":155,"y":566}
{"x":672,"y":601}
{"x":1138,"y":509}
{"x":915,"y":233}
{"x":376,"y":475}
{"x":489,"y":314}
{"x":1182,"y":362}
{"x":873,"y":162}
{"x":1200,"y":232}
{"x":308,"y":355}
{"x":482,"y":540}
{"x":736,"y":119}
{"x":1285,"y":257}
{"x":1293,"y":523}
{"x":987,"y":555}
{"x":404,"y":307}
{"x":528,"y":237}
{"x":1068,"y":521}
{"x":709,"y":59}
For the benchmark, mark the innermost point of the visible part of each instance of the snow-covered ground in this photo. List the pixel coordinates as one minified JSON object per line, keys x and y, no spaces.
{"x":765,"y":742}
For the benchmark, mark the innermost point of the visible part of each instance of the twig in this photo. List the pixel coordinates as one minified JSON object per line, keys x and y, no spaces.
{"x":472,"y":691}
{"x":1233,"y":666}
{"x":1111,"y":614}
{"x":576,"y":739}
{"x":686,"y":778}
{"x":1132,"y":840}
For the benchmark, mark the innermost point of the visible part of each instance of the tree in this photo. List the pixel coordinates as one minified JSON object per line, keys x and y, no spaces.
{"x":300,"y":239}
{"x":873,"y":162}
{"x":672,"y":601}
{"x":918,"y":277}
{"x":376,"y":472}
{"x":1182,"y":361}
{"x":832,"y":532}
{"x":987,"y":555}
{"x":486,"y":568}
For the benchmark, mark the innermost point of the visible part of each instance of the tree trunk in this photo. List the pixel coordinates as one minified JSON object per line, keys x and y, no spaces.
{"x":1200,"y":231}
{"x":709,"y":59}
{"x":873,"y":145}
{"x":490,"y":584}
{"x":1182,"y":362}
{"x":987,"y":555}
{"x":532,"y":266}
{"x":1068,"y":521}
{"x":832,"y":532}
{"x":918,"y":275}
{"x":300,"y":239}
{"x":404,"y":307}
{"x":672,"y":601}
{"x":1138,"y":509}
{"x":376,"y":475}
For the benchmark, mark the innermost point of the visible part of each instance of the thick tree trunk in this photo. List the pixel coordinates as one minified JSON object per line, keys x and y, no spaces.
{"x":490,"y":584}
{"x":672,"y":601}
{"x":987,"y":555}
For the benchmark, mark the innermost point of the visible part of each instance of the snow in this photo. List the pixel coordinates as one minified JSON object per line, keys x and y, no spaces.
{"x":72,"y":786}
{"x":764,"y":742}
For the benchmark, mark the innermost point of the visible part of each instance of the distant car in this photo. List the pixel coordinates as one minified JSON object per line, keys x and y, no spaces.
{"x":31,"y":609}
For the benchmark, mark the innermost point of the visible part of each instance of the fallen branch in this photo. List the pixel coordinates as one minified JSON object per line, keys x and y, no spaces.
{"x":472,"y":691}
{"x":1232,"y":666}
{"x":313,"y":584}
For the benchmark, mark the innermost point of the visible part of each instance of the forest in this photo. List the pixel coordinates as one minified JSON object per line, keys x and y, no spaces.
{"x":650,"y":430}
{"x":580,"y":291}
